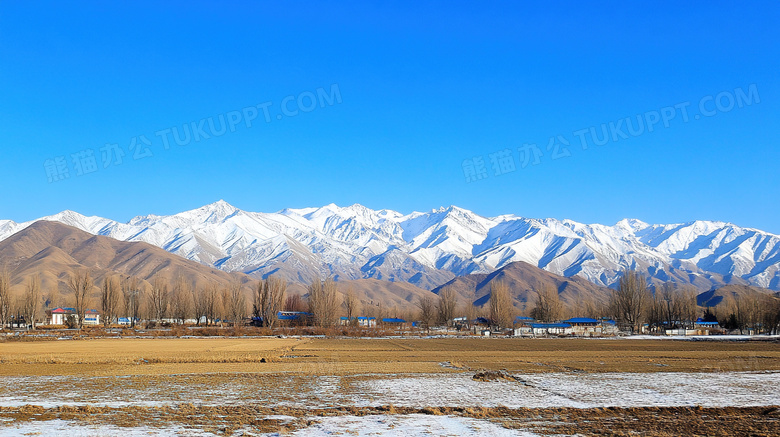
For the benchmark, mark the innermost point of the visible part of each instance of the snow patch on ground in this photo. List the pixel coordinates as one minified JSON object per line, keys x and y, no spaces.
{"x":379,"y":425}
{"x":407,"y":426}
{"x":577,"y":390}
{"x":71,"y":429}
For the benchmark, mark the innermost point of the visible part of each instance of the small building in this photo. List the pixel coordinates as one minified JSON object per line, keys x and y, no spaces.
{"x":523,"y":330}
{"x":584,"y":326}
{"x":549,"y":328}
{"x":708,"y":326}
{"x":59,"y":316}
{"x":460,"y":323}
{"x":363,"y":322}
{"x":295,"y":317}
{"x":522,"y":326}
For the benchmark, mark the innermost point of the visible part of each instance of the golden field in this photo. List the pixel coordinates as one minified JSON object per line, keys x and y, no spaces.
{"x":340,"y":356}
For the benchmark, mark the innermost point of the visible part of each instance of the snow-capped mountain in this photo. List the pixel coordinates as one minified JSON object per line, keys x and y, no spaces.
{"x":427,"y":249}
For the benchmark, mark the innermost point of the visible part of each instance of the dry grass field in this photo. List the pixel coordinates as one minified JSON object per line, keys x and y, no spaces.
{"x":339,"y":356}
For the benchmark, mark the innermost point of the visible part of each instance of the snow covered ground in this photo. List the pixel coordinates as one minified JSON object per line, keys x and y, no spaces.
{"x":380,"y":425}
{"x":580,"y":390}
{"x":63,"y":427}
{"x":574,"y":390}
{"x":577,"y":390}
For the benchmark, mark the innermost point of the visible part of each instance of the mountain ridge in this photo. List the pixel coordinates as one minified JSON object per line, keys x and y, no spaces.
{"x":431,"y":248}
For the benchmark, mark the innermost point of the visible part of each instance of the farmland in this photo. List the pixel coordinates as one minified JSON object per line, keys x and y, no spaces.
{"x":340,"y":356}
{"x":255,"y":385}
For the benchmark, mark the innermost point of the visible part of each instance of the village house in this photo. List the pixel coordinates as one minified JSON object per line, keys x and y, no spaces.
{"x":522,"y":326}
{"x":543,"y":329}
{"x":59,"y":316}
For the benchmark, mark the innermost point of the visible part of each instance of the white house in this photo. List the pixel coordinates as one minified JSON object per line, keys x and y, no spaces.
{"x":58,"y":316}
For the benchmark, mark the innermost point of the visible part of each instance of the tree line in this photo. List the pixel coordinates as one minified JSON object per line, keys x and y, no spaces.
{"x":632,"y":304}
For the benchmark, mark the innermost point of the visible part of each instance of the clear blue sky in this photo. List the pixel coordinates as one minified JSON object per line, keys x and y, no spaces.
{"x":423,"y":87}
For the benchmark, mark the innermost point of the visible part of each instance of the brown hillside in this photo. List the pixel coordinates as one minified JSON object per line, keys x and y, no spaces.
{"x":391,"y":297}
{"x":53,"y":250}
{"x":522,"y":279}
{"x":725,"y":296}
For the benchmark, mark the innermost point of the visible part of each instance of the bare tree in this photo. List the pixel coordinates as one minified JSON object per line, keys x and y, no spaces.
{"x":672,"y":306}
{"x":212,"y":303}
{"x":223,"y":308}
{"x":548,"y":306}
{"x":630,"y":301}
{"x":470,"y":312}
{"x":199,"y":304}
{"x":80,"y":283}
{"x":158,"y":299}
{"x":181,"y":300}
{"x":131,"y":294}
{"x":269,"y":298}
{"x":351,"y":305}
{"x":294,"y":302}
{"x":427,"y":308}
{"x":446,"y":305}
{"x":236,"y":303}
{"x":500,"y":304}
{"x":324,"y":302}
{"x":32,"y":298}
{"x":5,"y":298}
{"x":772,"y":317}
{"x":109,"y":299}
{"x":688,"y":307}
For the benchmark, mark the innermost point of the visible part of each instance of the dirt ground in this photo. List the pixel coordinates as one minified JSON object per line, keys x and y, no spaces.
{"x":340,"y":356}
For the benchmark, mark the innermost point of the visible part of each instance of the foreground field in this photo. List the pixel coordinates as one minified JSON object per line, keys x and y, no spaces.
{"x":326,"y":386}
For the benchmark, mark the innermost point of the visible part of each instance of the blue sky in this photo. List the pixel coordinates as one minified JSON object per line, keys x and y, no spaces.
{"x":422,"y":86}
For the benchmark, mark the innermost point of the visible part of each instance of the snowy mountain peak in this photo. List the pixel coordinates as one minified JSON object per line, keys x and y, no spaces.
{"x":633,"y":225}
{"x":213,"y":212}
{"x":426,"y":248}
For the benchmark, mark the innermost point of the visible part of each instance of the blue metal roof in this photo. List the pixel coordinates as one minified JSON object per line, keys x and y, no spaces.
{"x":523,"y":318}
{"x":549,"y":325}
{"x":581,"y":320}
{"x":292,"y":315}
{"x":393,"y":320}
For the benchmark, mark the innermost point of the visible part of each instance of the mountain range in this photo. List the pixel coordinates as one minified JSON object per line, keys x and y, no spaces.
{"x":429,"y":249}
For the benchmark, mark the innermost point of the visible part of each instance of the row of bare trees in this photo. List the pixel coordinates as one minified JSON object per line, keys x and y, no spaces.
{"x":126,"y":297}
{"x":631,"y":304}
